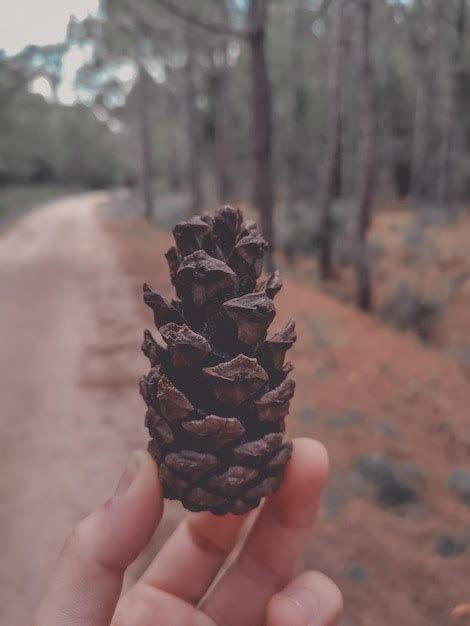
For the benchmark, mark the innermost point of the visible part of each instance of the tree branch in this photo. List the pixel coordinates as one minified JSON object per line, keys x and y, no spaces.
{"x":195,"y":20}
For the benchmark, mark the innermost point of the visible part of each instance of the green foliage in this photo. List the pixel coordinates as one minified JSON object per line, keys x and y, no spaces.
{"x":47,"y":142}
{"x":16,"y":199}
{"x":408,"y":309}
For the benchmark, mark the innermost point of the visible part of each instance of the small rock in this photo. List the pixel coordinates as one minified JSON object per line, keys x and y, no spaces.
{"x":448,"y":546}
{"x":412,"y":475}
{"x":334,"y":502}
{"x":395,"y":493}
{"x":343,"y":420}
{"x":459,"y":482}
{"x":307,"y":413}
{"x":376,"y":469}
{"x":388,"y":429}
{"x":319,"y":335}
{"x":322,"y":373}
{"x":358,"y":573}
{"x":354,"y":377}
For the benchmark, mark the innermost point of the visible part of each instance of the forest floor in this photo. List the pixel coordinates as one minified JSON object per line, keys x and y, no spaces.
{"x":394,"y":414}
{"x":420,"y":274}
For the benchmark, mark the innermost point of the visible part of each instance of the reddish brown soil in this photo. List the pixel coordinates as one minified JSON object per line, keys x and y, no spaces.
{"x":431,"y":260}
{"x":71,"y":321}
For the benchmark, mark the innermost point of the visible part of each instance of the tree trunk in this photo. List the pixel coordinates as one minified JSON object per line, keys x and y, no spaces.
{"x":366,"y":160}
{"x":175,"y":175}
{"x":146,"y":164}
{"x":294,"y":139}
{"x":445,"y":191}
{"x":424,"y":130}
{"x":426,"y":43}
{"x":193,"y":127}
{"x":263,"y":194}
{"x":420,"y":135}
{"x":332,"y":160}
{"x":224,"y":181}
{"x":350,"y":112}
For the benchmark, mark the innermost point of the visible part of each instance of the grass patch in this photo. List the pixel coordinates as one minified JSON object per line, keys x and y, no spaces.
{"x":16,"y":200}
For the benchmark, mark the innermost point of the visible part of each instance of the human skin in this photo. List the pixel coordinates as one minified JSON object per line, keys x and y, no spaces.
{"x":259,"y":588}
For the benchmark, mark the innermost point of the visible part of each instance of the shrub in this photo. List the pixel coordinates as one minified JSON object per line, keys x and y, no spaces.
{"x":410,"y":310}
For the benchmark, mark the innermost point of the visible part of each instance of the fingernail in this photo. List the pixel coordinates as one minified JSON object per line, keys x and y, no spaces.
{"x":130,"y":472}
{"x":306,"y":603}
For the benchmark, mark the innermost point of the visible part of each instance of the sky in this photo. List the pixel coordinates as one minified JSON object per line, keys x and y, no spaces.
{"x":44,"y":22}
{"x":38,"y":22}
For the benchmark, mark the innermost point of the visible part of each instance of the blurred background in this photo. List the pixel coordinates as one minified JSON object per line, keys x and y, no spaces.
{"x":343,"y":127}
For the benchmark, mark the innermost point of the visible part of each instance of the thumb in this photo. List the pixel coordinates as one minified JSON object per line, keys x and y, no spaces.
{"x":87,"y":582}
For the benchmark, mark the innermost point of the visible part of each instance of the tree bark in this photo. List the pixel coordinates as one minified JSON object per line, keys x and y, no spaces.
{"x":254,"y":33}
{"x":423,"y":129}
{"x":351,"y":97}
{"x":263,"y":193}
{"x":366,"y":160}
{"x":332,"y":160}
{"x":420,"y":135}
{"x":426,"y":44}
{"x":175,"y":173}
{"x":223,"y":175}
{"x":146,"y":167}
{"x":445,"y":191}
{"x":295,"y":127}
{"x":222,"y":118}
{"x":193,"y":127}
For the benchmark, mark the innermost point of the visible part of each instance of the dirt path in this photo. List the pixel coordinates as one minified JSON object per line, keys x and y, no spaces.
{"x":69,"y":362}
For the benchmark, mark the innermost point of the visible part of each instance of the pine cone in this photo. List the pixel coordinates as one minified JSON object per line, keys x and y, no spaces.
{"x":217,"y":393}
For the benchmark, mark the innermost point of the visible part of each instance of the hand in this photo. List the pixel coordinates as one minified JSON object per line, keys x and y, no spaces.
{"x":258,"y":588}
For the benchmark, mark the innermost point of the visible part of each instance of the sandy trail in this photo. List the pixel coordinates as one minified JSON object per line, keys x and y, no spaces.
{"x":68,"y":351}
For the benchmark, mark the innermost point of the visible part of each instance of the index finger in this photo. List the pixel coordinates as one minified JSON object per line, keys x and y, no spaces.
{"x":191,"y":558}
{"x":269,"y":557}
